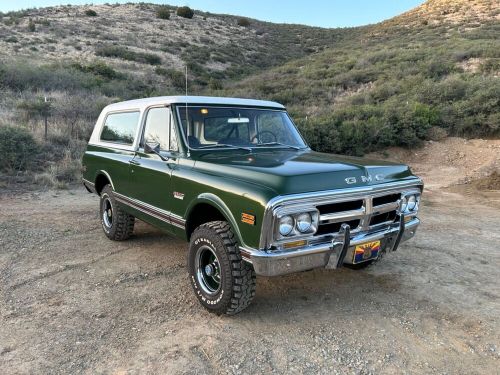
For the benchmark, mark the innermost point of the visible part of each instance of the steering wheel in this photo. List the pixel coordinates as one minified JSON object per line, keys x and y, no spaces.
{"x":259,"y":135}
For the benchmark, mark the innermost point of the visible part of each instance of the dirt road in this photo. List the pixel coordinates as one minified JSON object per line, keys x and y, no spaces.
{"x":74,"y":302}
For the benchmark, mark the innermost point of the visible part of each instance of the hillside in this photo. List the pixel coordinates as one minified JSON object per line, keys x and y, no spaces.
{"x":431,"y":72}
{"x":428,"y":73}
{"x":133,"y":40}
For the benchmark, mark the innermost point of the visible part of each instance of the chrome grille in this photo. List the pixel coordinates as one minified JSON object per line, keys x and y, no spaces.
{"x":359,"y":214}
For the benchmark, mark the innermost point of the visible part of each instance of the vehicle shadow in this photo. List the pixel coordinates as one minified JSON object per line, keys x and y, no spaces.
{"x":320,"y":291}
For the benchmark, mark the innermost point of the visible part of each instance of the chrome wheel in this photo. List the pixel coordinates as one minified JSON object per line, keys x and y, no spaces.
{"x":107,"y":212}
{"x":208,"y":271}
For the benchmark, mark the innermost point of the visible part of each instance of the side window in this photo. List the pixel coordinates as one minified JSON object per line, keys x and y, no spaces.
{"x":157,"y":128}
{"x":120,"y":127}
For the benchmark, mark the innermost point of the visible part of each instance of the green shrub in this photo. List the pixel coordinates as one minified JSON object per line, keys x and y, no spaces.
{"x":31,"y":26}
{"x":90,"y":13}
{"x":242,"y":21}
{"x":176,"y":77}
{"x":185,"y":12}
{"x":490,"y":66}
{"x":99,"y":68}
{"x":214,"y":84}
{"x":18,"y":149}
{"x":126,"y":54}
{"x":163,"y":12}
{"x":43,"y":22}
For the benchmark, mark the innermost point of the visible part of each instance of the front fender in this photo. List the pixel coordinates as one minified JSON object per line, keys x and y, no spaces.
{"x":216,"y":202}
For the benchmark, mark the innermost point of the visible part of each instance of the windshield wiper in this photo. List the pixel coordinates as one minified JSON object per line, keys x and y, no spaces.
{"x":277,"y":144}
{"x":222,"y":145}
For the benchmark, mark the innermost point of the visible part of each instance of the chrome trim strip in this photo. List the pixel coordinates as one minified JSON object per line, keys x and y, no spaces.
{"x":383,"y":208}
{"x":312,"y":199}
{"x":85,"y":181}
{"x":158,"y":213}
{"x":108,"y":177}
{"x":90,"y":186}
{"x":343,"y":215}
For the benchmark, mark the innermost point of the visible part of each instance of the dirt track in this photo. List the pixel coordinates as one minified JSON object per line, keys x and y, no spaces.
{"x":73,"y":301}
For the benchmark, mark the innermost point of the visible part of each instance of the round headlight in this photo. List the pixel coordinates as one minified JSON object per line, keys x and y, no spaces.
{"x":412,"y":202}
{"x":286,"y":225}
{"x":304,"y":222}
{"x":404,"y":204}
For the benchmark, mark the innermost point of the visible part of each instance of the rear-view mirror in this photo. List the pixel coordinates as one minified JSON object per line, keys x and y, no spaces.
{"x":238,"y":120}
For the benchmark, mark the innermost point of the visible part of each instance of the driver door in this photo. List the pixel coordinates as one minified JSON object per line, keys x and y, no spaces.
{"x":150,"y":176}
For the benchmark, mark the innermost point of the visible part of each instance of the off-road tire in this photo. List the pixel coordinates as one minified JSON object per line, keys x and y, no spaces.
{"x":122,"y":225}
{"x":237,"y":277}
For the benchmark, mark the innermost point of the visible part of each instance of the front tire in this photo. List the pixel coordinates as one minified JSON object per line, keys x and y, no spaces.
{"x":222,"y":281}
{"x":359,"y":266}
{"x":116,"y":223}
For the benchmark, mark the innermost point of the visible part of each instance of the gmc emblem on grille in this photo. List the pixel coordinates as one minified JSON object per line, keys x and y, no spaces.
{"x":369,"y":178}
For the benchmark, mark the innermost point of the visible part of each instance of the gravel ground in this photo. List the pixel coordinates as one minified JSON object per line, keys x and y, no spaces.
{"x":74,"y":302}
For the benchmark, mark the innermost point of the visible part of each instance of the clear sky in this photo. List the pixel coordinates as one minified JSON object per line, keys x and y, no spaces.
{"x":327,"y":13}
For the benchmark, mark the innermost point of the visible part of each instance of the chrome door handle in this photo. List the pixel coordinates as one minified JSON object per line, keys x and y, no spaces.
{"x":134,"y":162}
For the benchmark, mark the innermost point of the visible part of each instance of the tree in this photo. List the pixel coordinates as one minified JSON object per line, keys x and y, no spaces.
{"x":162,"y":12}
{"x":245,"y":22}
{"x":31,"y":26}
{"x":185,"y":12}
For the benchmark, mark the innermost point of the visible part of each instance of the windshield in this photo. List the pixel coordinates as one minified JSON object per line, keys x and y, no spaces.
{"x":238,"y":127}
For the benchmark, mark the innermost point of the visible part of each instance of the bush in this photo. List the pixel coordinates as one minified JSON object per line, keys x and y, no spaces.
{"x":90,"y":13}
{"x":17,"y":148}
{"x":245,"y":22}
{"x":176,"y":77}
{"x":214,"y":84}
{"x":163,"y":13}
{"x":126,"y":54}
{"x":31,"y":26}
{"x":66,"y":171}
{"x":436,"y":134}
{"x":490,"y":66}
{"x":99,"y":68}
{"x":185,"y":12}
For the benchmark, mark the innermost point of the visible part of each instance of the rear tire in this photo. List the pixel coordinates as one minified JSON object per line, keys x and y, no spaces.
{"x":116,"y":223}
{"x":222,"y":281}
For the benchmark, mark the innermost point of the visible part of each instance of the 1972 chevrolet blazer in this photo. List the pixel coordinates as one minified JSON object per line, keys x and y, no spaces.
{"x":236,"y":179}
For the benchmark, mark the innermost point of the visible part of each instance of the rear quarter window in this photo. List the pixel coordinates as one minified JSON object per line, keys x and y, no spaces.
{"x":120,"y":127}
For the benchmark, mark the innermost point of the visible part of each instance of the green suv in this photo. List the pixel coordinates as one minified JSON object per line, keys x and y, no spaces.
{"x":235,"y":179}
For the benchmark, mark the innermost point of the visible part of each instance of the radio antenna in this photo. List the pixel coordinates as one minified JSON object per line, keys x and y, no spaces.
{"x":187,"y":119}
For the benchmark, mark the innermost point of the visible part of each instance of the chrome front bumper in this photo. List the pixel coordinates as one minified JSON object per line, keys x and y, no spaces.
{"x":326,"y":255}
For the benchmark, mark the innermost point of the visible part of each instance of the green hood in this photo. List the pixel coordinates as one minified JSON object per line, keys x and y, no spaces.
{"x":290,"y":171}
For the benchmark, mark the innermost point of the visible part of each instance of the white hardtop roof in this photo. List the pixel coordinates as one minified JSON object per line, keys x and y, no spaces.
{"x":146,"y":102}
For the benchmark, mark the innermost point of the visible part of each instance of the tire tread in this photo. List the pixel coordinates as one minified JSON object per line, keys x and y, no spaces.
{"x":244,"y":278}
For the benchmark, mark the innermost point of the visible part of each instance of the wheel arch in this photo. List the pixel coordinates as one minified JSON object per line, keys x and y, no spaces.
{"x":209,"y":207}
{"x":102,"y":179}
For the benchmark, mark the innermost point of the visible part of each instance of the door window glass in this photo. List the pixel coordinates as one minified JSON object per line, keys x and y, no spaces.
{"x":157,"y":127}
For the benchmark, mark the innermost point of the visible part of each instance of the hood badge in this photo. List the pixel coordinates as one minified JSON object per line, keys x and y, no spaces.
{"x":369,"y":178}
